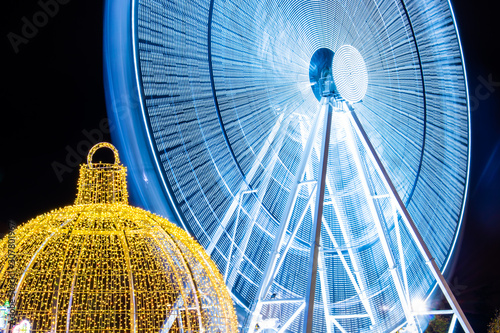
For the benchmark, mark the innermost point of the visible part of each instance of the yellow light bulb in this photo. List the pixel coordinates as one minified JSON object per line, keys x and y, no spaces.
{"x":102,"y":265}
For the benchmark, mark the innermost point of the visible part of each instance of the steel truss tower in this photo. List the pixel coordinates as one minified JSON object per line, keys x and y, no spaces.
{"x":333,"y":111}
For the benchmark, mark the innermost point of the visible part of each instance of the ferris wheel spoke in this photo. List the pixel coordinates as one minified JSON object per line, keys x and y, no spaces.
{"x":324,"y":287}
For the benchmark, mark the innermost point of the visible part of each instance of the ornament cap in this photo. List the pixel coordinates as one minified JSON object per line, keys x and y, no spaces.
{"x":102,"y":182}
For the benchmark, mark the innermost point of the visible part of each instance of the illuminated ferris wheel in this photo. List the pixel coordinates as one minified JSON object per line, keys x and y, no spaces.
{"x":318,"y":150}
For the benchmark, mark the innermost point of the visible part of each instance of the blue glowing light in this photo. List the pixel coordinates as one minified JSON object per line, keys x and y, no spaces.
{"x":212,"y":104}
{"x":320,"y":70}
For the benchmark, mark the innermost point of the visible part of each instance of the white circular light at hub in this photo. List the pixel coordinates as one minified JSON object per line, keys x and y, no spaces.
{"x":349,"y":73}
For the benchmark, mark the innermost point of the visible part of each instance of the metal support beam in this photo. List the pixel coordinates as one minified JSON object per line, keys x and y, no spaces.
{"x":402,"y":260}
{"x":321,"y":259}
{"x":175,"y":314}
{"x":351,"y":316}
{"x":289,"y":243}
{"x":292,"y":318}
{"x":336,"y":323}
{"x":269,"y":272}
{"x":361,"y":292}
{"x":354,"y":274}
{"x":324,"y":288}
{"x":318,"y":217}
{"x":405,"y":303}
{"x":433,"y":312}
{"x":241,"y":253}
{"x":451,"y":329}
{"x":410,"y":225}
{"x":283,"y":301}
{"x":245,"y":185}
{"x":357,"y":282}
{"x":233,"y":238}
{"x":260,"y":196}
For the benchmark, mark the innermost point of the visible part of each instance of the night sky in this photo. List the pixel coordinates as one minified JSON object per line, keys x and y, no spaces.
{"x":53,"y":101}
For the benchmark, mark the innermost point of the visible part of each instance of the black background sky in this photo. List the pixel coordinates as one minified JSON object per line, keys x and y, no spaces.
{"x":53,"y":95}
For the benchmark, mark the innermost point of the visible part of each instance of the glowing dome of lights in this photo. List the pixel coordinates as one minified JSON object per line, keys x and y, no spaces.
{"x":215,"y":105}
{"x":104,"y":266}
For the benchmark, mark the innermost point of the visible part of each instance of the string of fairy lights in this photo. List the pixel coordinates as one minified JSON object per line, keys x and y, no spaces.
{"x":102,"y":265}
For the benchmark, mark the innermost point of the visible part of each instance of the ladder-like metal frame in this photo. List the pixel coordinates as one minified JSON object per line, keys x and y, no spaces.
{"x":458,"y":314}
{"x":316,"y":263}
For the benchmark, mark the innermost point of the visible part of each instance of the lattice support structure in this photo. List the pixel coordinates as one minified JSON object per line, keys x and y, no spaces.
{"x":346,"y":117}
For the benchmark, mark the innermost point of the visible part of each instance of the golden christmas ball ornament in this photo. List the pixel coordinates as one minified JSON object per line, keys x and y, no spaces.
{"x":101,"y":265}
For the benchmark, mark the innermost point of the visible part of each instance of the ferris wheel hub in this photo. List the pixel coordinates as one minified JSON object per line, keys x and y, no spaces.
{"x":350,"y":74}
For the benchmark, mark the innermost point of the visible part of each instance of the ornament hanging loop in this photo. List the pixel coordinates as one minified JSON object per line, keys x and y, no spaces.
{"x":102,"y":182}
{"x":102,"y":145}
